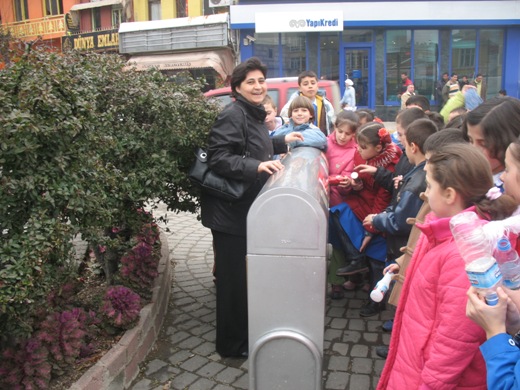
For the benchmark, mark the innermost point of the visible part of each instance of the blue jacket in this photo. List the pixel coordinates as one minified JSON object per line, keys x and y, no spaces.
{"x":312,"y":135}
{"x":502,"y":357}
{"x":406,"y":205}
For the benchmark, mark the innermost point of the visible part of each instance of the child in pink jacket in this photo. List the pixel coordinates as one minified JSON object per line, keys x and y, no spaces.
{"x":341,"y":148}
{"x":434,"y":345}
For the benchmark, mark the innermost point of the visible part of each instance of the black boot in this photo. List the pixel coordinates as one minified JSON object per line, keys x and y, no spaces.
{"x":355,"y":267}
{"x":371,"y":308}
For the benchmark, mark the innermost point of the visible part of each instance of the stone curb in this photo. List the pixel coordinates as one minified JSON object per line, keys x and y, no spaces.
{"x":120,"y":366}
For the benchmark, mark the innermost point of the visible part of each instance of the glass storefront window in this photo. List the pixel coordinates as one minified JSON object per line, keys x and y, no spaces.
{"x":329,"y":54}
{"x":266,"y":48}
{"x":463,"y":53}
{"x":491,"y":53}
{"x":426,"y":52}
{"x":293,"y":54}
{"x":352,"y":36}
{"x":398,"y":60}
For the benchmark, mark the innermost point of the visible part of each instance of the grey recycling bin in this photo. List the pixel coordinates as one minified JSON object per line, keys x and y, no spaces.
{"x":287,"y":228}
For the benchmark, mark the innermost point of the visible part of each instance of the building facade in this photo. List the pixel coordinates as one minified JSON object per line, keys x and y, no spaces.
{"x":373,"y":43}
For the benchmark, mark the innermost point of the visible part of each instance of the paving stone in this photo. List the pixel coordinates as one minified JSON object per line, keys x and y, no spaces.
{"x":362,"y":365}
{"x":228,"y":375}
{"x":190,"y":342}
{"x":333,"y":334}
{"x":179,"y":357}
{"x":351,"y":336}
{"x":211,"y":369}
{"x":337,"y":381}
{"x":359,"y":382}
{"x":202,"y":384}
{"x":370,"y":337}
{"x":341,"y":348}
{"x":183,"y":381}
{"x":359,"y":351}
{"x":143,"y":384}
{"x":338,"y":323}
{"x":194,"y":363}
{"x":155,"y":365}
{"x":338,"y":363}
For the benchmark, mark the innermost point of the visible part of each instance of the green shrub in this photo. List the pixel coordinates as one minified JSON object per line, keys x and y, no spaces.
{"x":85,"y":145}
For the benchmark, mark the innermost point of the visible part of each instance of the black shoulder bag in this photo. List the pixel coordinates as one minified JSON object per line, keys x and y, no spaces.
{"x":214,"y":184}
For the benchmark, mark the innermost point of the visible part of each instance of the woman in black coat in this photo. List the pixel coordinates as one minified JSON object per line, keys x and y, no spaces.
{"x":227,"y":220}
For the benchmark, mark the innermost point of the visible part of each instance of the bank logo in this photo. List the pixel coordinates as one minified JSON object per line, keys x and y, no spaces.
{"x":297,"y":23}
{"x":313,"y":23}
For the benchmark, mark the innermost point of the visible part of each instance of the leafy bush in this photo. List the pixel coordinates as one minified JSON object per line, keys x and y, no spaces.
{"x":84,"y":147}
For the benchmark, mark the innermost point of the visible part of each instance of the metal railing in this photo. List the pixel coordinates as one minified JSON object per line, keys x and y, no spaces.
{"x":37,"y":27}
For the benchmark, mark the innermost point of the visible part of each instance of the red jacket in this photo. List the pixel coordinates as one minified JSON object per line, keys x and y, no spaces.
{"x":434,"y":345}
{"x":373,"y":199}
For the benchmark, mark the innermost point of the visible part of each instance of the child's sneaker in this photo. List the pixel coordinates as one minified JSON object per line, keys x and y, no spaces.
{"x":336,"y":292}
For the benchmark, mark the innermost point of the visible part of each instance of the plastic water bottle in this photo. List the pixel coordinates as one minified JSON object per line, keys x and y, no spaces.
{"x":509,"y":264}
{"x":476,"y":251}
{"x":381,"y":287}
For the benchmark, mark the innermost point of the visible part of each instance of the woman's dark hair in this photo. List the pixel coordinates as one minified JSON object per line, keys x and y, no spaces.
{"x":499,"y":120}
{"x":241,"y":70}
{"x":465,"y":169}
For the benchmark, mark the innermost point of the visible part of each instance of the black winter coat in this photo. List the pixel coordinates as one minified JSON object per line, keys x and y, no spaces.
{"x":225,"y":157}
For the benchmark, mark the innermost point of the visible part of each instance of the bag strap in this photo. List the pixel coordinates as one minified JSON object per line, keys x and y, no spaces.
{"x":245,"y":152}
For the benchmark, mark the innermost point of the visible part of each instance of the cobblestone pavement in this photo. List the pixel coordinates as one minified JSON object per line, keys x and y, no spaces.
{"x":184,"y":356}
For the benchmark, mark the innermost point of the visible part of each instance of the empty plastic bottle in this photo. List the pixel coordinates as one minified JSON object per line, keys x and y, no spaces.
{"x":381,"y":287}
{"x":509,"y":264}
{"x":481,"y":267}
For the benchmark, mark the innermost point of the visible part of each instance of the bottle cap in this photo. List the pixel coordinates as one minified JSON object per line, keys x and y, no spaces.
{"x":503,"y":245}
{"x":354,"y":175}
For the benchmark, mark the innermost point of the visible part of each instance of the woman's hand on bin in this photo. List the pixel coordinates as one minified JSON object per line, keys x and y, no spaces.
{"x":270,"y":166}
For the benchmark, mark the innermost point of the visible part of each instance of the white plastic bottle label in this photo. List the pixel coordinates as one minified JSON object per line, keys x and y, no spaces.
{"x":486,"y":278}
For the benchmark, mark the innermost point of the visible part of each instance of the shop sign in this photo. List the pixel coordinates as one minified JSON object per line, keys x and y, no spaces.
{"x":99,"y":40}
{"x":271,"y":22}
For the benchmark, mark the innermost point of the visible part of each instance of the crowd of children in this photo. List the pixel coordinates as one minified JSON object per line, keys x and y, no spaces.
{"x":392,"y":197}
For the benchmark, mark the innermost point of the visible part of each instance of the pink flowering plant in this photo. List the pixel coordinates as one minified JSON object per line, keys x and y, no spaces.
{"x":121,"y":307}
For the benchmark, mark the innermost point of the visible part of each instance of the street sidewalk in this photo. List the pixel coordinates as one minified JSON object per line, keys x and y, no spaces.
{"x":184,"y":355}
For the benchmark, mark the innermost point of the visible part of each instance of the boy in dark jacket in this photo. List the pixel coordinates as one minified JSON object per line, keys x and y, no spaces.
{"x":407,"y":202}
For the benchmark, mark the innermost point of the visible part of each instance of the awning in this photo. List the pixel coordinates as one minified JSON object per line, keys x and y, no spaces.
{"x":220,"y":60}
{"x":94,"y":4}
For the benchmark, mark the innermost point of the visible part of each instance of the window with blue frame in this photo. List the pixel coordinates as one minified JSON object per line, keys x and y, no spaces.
{"x":490,"y":60}
{"x":464,"y":52}
{"x":418,"y":53}
{"x":267,"y":49}
{"x":398,"y":50}
{"x":425,"y":54}
{"x":329,"y":56}
{"x":293,"y":54}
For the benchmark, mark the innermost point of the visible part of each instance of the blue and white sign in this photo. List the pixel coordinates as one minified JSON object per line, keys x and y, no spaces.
{"x":270,"y":22}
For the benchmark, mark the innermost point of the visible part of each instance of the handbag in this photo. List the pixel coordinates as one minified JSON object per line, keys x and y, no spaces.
{"x":212,"y":183}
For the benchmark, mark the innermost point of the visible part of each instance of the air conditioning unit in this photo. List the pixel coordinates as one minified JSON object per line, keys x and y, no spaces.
{"x":219,"y":3}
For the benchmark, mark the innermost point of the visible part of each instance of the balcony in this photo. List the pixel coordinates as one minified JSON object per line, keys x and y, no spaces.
{"x":51,"y":25}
